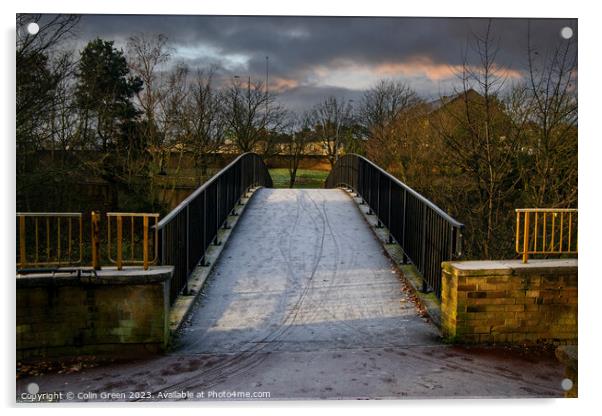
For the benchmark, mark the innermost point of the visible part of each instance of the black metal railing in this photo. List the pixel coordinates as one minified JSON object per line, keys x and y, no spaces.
{"x":427,"y":235}
{"x":188,"y":230}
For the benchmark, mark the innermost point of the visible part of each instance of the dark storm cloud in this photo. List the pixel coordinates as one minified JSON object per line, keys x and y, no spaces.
{"x":330,"y":53}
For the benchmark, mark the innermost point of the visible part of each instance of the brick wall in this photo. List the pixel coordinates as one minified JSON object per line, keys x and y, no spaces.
{"x":117,"y":313}
{"x":510,"y":302}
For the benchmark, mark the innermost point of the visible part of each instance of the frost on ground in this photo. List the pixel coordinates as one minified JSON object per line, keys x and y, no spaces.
{"x":304,"y":304}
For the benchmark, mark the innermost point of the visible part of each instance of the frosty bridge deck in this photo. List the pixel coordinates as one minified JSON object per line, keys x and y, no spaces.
{"x":303,"y":271}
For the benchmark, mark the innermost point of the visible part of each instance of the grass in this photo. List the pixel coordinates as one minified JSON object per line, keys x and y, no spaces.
{"x":306,"y":178}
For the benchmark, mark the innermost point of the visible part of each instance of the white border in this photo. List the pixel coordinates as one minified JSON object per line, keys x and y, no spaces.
{"x":589,"y":181}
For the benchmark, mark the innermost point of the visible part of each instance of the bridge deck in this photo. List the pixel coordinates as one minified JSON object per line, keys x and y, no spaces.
{"x":303,"y":304}
{"x":303,"y":272}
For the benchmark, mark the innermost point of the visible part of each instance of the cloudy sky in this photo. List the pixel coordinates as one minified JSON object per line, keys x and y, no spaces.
{"x":313,"y":57}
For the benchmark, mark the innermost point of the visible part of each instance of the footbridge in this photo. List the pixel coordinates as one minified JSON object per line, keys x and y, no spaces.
{"x":426,"y":234}
{"x":302,"y":302}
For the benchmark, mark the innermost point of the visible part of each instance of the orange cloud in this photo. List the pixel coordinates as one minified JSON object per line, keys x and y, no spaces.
{"x":279,"y":84}
{"x":417,"y":66}
{"x":434,"y":71}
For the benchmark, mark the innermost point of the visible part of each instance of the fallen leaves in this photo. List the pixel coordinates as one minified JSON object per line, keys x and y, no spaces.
{"x":411,"y":295}
{"x":65,"y":366}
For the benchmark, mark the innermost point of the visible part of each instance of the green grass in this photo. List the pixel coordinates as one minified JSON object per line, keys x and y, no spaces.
{"x":306,"y":178}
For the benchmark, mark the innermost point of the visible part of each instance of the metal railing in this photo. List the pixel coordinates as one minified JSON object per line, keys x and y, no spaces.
{"x":546,"y":231}
{"x":49,"y":239}
{"x":427,"y":235}
{"x":188,"y":230}
{"x":133,"y":231}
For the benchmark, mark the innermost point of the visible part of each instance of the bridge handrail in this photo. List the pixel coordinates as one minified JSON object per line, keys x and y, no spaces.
{"x":187,"y":231}
{"x":427,"y":234}
{"x":418,"y":195}
{"x":198,"y":191}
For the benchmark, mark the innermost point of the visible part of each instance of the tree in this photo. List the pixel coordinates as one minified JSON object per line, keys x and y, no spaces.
{"x":333,"y":120}
{"x":477,"y":134}
{"x":147,"y":54}
{"x":204,"y":122}
{"x":42,"y":77}
{"x":386,"y":114}
{"x":296,"y":144}
{"x":108,"y":119}
{"x":104,"y":93}
{"x":173,"y":118}
{"x":251,"y":114}
{"x":549,"y":168}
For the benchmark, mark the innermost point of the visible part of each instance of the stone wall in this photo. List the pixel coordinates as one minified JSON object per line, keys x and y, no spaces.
{"x":510,"y":302}
{"x":120,"y":313}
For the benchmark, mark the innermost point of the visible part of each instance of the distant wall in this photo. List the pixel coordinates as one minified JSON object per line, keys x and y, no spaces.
{"x":313,"y":162}
{"x":510,"y":302}
{"x":117,"y":313}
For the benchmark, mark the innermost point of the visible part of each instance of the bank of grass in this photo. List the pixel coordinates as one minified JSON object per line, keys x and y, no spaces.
{"x":306,"y":178}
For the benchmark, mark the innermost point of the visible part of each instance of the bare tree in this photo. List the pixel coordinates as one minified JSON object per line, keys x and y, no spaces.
{"x":478,"y":136}
{"x":332,"y":121}
{"x":40,"y":70}
{"x":43,"y":75}
{"x":204,"y":122}
{"x":386,"y":113}
{"x":173,"y":117}
{"x":251,"y":113}
{"x":550,"y":171}
{"x":296,"y":145}
{"x":147,"y":56}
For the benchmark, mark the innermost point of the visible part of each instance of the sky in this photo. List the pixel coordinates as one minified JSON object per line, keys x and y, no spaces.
{"x":311,"y":58}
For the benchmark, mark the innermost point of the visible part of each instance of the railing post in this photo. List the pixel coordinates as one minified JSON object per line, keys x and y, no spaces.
{"x":216,"y":240}
{"x":526,"y":239}
{"x":187,"y":239}
{"x":403,"y":224}
{"x":22,"y":252}
{"x":145,"y":240}
{"x":119,"y":243}
{"x":378,"y":222}
{"x":96,"y":240}
{"x":423,"y":254}
{"x":389,"y":213}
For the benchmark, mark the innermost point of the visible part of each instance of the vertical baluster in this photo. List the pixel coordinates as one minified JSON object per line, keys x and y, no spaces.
{"x":119,"y":242}
{"x":69,"y":233}
{"x":526,"y":238}
{"x":544,"y":239}
{"x":570,"y":230}
{"x":58,"y":239}
{"x":37,"y":240}
{"x":561,"y":230}
{"x":48,"y":239}
{"x":553,"y":233}
{"x":535,"y":233}
{"x":22,"y":251}
{"x":132,"y":242}
{"x":145,"y":240}
{"x":517,"y":231}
